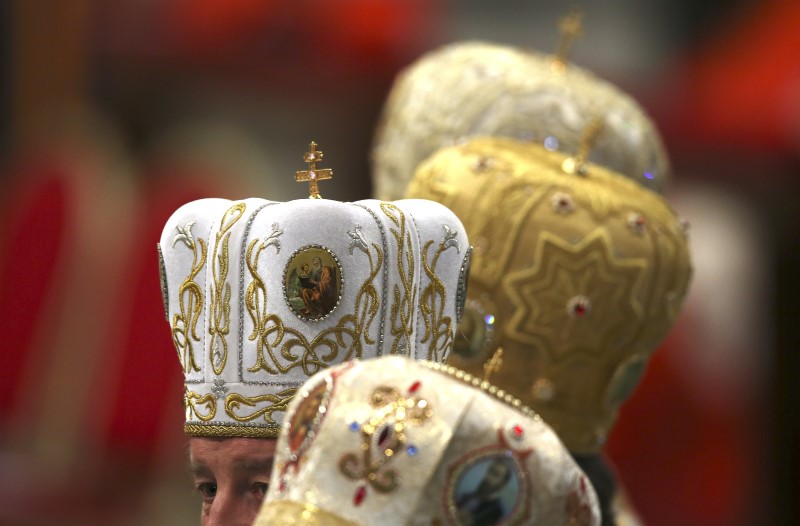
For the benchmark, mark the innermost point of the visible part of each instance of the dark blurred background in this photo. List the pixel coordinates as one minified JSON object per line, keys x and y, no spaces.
{"x":114,"y":113}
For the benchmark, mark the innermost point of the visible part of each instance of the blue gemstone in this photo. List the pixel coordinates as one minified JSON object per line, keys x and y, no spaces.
{"x":489,"y":319}
{"x":354,"y":426}
{"x":551,"y":143}
{"x":649,"y":175}
{"x":411,"y":450}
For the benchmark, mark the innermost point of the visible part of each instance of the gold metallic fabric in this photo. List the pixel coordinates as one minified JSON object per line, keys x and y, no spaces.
{"x":581,"y":276}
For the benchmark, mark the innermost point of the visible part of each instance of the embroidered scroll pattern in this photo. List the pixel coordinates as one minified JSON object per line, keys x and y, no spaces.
{"x":280,"y":348}
{"x":193,"y":401}
{"x":220,"y":293}
{"x":190,"y":301}
{"x":275,"y":403}
{"x":438,"y":327}
{"x":402,"y":313}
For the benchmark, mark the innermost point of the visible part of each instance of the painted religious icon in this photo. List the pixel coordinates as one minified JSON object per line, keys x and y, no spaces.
{"x":313,"y":283}
{"x":486,"y":491}
{"x":307,"y":417}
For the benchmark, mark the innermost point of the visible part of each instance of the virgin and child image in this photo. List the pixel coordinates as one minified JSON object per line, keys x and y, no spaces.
{"x":486,"y":491}
{"x":313,"y":283}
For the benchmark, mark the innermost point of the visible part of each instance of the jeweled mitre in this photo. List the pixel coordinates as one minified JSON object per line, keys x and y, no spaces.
{"x":577,"y":277}
{"x":397,"y":442}
{"x":261,"y":295}
{"x":471,"y":89}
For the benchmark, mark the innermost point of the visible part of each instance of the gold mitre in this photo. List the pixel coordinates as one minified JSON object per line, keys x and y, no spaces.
{"x":260,"y":295}
{"x":394,"y":441}
{"x":577,"y":277}
{"x":471,"y":89}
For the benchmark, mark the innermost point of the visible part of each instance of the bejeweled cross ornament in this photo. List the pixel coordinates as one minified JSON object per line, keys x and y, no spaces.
{"x":312,"y":176}
{"x":493,"y":365}
{"x":571,"y":30}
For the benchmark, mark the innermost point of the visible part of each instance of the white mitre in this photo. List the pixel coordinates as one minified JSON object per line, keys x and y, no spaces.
{"x":261,"y":295}
{"x":474,"y":89}
{"x":392,"y":441}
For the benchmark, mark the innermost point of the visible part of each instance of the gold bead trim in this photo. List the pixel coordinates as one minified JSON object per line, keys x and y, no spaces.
{"x":230,"y":431}
{"x":484,"y":386}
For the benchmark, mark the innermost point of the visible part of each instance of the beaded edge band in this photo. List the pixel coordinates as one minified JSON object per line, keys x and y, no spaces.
{"x":484,"y":386}
{"x":230,"y":431}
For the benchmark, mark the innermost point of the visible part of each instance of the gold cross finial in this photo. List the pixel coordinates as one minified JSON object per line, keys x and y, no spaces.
{"x":571,"y":29}
{"x":577,"y":164}
{"x":493,"y":365}
{"x":312,"y":176}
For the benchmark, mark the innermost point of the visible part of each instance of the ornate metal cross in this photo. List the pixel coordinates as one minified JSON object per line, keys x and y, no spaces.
{"x":571,"y":29}
{"x":493,"y":365}
{"x":313,"y":175}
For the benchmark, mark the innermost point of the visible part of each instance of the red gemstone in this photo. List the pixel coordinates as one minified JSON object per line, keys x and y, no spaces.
{"x":518,"y":431}
{"x":360,"y":495}
{"x":416,"y":385}
{"x":580,"y":308}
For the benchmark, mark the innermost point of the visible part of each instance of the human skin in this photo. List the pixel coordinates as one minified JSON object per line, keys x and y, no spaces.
{"x":232,"y":476}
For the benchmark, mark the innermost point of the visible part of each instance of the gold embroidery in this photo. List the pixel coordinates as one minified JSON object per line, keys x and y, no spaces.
{"x":270,"y":333}
{"x":383,"y":438}
{"x":230,"y":431}
{"x":190,"y":298}
{"x":279,"y":402}
{"x":438,"y":328}
{"x":403,"y":306}
{"x":563,"y":270}
{"x":193,"y":400}
{"x":220,"y":294}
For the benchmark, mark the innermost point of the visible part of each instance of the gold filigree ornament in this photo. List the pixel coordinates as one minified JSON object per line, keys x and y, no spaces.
{"x":190,"y":298}
{"x":418,"y":442}
{"x":383,"y":438}
{"x":404,"y":293}
{"x":580,"y":272}
{"x":475,"y":89}
{"x":220,"y":297}
{"x":261,"y":295}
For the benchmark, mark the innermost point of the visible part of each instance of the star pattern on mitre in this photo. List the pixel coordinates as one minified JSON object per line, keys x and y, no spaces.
{"x":562,"y":271}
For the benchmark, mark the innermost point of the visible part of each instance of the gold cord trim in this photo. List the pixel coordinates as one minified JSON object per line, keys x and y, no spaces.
{"x":229,"y":431}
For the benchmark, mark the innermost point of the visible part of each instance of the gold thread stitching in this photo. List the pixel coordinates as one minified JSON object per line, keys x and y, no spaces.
{"x":190,"y":298}
{"x":195,"y":399}
{"x":279,"y":401}
{"x":229,"y":431}
{"x":270,"y":326}
{"x":402,"y":319}
{"x":220,"y":295}
{"x":437,"y":326}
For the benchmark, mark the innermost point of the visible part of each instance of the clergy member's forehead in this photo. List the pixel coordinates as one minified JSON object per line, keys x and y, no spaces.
{"x":254,"y":464}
